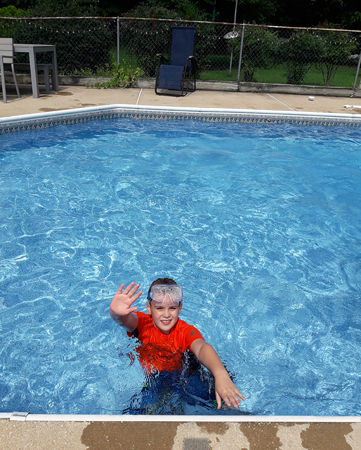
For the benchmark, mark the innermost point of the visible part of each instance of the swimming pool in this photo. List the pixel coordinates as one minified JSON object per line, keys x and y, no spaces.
{"x":259,"y":222}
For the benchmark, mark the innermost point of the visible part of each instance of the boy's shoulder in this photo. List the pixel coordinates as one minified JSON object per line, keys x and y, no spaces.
{"x":187,"y":333}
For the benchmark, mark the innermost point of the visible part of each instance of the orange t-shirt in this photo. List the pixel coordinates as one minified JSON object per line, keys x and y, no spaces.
{"x":160,"y":351}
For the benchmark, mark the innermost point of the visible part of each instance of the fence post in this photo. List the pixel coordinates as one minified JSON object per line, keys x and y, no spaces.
{"x":240,"y":58}
{"x":234,"y":27}
{"x":357,"y":72}
{"x":118,"y":42}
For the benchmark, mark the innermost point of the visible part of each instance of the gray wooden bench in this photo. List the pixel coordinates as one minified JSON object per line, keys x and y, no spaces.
{"x":46,"y":68}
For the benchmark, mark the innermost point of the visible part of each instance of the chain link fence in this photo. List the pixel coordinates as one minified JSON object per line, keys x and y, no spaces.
{"x":224,"y":51}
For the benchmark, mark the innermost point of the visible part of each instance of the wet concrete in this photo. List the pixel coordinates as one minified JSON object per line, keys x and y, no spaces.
{"x":179,"y":436}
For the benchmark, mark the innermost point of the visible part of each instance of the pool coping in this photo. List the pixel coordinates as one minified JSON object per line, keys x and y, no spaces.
{"x":26,"y":417}
{"x":78,"y":115}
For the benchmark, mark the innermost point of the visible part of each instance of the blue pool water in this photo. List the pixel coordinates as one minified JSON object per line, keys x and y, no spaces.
{"x":261,"y":224}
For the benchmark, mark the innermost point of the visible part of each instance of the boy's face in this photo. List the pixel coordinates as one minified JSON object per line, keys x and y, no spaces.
{"x":164,"y":316}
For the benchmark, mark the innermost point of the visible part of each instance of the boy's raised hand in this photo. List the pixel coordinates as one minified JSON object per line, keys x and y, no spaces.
{"x":124,"y":298}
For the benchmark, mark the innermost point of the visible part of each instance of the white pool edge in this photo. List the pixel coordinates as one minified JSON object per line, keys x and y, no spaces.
{"x":25,"y":417}
{"x":249,"y":112}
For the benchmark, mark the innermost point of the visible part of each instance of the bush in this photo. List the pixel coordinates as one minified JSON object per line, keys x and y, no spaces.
{"x":259,"y":50}
{"x":337,"y":46}
{"x":151,"y":37}
{"x":80,"y":43}
{"x":123,"y":75}
{"x":300,"y":51}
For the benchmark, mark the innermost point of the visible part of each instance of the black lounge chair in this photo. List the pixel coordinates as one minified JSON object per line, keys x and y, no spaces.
{"x":179,"y":74}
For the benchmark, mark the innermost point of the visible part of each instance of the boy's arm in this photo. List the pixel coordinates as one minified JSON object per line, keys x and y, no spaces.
{"x":225,"y":388}
{"x":121,"y":309}
{"x":129,"y":322}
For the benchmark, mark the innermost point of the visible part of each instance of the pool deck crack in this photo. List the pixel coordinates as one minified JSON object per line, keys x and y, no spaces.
{"x":279,"y":101}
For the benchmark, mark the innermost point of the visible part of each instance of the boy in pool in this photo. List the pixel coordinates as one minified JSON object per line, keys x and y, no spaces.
{"x":165,"y":337}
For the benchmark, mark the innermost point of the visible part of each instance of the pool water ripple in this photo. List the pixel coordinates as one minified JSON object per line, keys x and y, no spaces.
{"x":260,"y":224}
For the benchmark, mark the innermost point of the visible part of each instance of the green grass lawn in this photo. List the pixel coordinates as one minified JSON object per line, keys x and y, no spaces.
{"x":344,"y":77}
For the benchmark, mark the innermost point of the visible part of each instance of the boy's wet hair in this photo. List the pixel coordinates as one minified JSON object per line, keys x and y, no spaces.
{"x":160,"y":281}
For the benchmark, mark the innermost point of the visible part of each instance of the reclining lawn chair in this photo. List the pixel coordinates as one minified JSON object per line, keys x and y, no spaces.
{"x":177,"y":75}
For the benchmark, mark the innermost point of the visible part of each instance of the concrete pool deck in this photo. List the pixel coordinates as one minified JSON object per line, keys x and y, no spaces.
{"x":72,"y":97}
{"x":202,"y":435}
{"x":179,"y":436}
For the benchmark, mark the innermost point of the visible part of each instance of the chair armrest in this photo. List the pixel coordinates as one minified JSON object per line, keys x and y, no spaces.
{"x":161,"y":58}
{"x":7,"y":59}
{"x":193,"y":61}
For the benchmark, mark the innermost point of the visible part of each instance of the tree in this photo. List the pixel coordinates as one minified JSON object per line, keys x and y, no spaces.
{"x":153,"y":37}
{"x":7,"y":26}
{"x":72,"y":37}
{"x":305,"y":13}
{"x":18,"y":4}
{"x":63,"y":8}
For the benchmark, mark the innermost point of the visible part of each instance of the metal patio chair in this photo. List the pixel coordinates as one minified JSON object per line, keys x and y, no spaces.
{"x":7,"y":59}
{"x":179,"y":74}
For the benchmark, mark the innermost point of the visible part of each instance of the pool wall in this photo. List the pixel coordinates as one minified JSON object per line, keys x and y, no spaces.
{"x":216,"y":115}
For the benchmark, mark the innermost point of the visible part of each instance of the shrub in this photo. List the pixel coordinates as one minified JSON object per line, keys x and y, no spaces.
{"x":300,"y":51}
{"x":80,"y":43}
{"x":259,"y":50}
{"x":338,"y":46}
{"x":123,"y":75}
{"x":146,"y":39}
